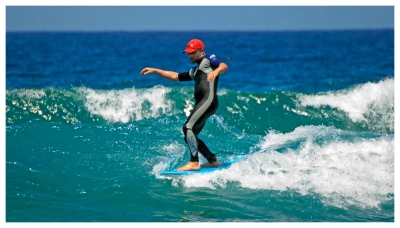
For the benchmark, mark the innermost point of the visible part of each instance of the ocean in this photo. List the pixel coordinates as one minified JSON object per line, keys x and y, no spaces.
{"x":87,"y":136}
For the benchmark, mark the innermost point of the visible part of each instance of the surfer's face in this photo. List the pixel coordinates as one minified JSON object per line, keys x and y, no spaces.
{"x":196,"y":55}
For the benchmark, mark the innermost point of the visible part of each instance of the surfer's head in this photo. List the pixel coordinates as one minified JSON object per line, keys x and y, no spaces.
{"x":195,"y":50}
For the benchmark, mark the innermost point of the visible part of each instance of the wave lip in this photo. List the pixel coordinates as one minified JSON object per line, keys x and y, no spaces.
{"x":80,"y":105}
{"x":371,"y":104}
{"x":129,"y":104}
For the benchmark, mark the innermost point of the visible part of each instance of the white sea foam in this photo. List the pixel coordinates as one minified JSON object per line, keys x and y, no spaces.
{"x":188,"y":107}
{"x":173,"y":153}
{"x":128,"y":104}
{"x":222,"y":92}
{"x":29,"y":93}
{"x":369,"y":103}
{"x":341,"y":172}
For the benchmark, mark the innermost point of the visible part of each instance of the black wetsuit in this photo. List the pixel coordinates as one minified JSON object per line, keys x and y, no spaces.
{"x":205,"y":94}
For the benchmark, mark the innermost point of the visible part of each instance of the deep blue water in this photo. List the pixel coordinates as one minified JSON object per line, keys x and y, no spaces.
{"x":87,"y":136}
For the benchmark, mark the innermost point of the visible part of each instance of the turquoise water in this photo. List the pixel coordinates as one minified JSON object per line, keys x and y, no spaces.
{"x":86,"y":136}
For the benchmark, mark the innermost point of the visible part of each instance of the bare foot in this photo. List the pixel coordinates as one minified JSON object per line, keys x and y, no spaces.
{"x":211,"y":165}
{"x":190,"y":166}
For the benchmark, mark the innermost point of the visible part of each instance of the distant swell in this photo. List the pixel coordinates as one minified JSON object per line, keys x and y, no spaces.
{"x":368,"y":106}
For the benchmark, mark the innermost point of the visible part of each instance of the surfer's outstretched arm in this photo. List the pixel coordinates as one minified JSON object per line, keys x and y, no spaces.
{"x":166,"y":74}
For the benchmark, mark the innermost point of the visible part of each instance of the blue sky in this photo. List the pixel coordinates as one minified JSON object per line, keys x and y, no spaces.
{"x":190,"y":18}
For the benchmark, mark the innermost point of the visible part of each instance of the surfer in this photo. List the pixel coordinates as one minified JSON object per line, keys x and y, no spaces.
{"x":205,"y":76}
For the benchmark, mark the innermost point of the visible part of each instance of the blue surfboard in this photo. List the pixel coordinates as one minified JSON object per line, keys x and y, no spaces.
{"x":224,"y":165}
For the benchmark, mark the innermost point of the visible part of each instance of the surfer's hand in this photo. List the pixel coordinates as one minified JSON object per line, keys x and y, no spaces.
{"x":147,"y":70}
{"x":212,"y":75}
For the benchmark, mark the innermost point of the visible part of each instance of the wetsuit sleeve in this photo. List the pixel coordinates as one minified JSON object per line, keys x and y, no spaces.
{"x":215,"y":61}
{"x":184,"y":77}
{"x":187,"y":76}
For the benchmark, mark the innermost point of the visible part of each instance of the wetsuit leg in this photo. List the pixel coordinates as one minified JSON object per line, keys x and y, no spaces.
{"x":203,"y":149}
{"x":192,"y":128}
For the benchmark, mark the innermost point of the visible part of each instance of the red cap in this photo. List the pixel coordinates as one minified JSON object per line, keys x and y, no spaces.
{"x":193,"y":45}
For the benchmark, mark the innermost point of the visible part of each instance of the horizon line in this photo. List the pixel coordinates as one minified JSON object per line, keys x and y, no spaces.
{"x":188,"y":31}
